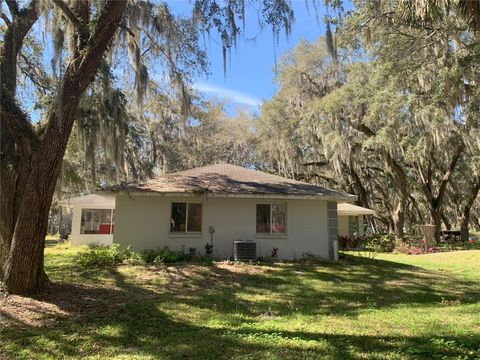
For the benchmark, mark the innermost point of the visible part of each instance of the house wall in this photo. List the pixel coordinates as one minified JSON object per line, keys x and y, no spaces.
{"x":343,"y":225}
{"x":144,"y":222}
{"x":344,"y":228}
{"x":332,"y":221}
{"x":77,"y":239}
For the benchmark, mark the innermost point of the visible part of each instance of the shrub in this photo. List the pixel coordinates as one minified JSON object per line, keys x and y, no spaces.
{"x":100,"y":255}
{"x":161,"y":255}
{"x":134,"y":258}
{"x":112,"y":255}
{"x":404,"y":248}
{"x":345,"y":242}
{"x":148,"y":255}
{"x":401,"y":247}
{"x":379,"y":242}
{"x":373,"y":242}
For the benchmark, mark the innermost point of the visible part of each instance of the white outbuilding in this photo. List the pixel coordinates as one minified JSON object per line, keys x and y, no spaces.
{"x":350,"y":219}
{"x":92,"y":219}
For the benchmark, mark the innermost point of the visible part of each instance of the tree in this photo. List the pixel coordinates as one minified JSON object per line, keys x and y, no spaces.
{"x":32,"y":154}
{"x":391,"y":104}
{"x":40,"y":158}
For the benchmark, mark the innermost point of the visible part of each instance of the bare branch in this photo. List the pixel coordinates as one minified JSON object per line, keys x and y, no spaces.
{"x":128,"y":30}
{"x":5,"y":18}
{"x":317,"y":163}
{"x":12,"y":6}
{"x":33,"y":73}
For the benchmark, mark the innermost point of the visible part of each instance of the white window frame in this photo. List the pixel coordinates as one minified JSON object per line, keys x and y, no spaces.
{"x":272,"y":234}
{"x":186,"y":232}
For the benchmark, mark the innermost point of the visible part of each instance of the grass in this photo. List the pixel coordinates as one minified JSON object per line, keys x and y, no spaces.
{"x":390,"y":307}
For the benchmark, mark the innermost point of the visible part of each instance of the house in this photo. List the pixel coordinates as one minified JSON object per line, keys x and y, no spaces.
{"x":221,"y":203}
{"x":92,"y":219}
{"x":350,"y":219}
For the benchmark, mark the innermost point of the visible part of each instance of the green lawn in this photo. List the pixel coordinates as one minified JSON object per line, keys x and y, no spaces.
{"x":390,"y":307}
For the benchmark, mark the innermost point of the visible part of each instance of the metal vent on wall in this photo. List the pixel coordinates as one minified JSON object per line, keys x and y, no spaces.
{"x":244,"y":250}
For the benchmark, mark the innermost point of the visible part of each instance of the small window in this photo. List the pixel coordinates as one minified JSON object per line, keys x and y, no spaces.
{"x":186,"y":217}
{"x":97,"y":221}
{"x":272,"y":218}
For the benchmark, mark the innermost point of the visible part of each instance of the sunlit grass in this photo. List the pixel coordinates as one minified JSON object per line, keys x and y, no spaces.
{"x":390,"y":307}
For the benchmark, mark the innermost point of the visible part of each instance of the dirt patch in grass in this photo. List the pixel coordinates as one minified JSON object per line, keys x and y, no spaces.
{"x":242,"y":268}
{"x":57,"y":301}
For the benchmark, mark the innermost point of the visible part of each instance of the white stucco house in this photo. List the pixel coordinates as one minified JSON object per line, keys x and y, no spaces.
{"x":221,"y":203}
{"x":92,"y":219}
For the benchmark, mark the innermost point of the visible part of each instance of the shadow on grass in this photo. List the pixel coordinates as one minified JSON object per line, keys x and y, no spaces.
{"x":363,"y":284}
{"x":127,"y":318}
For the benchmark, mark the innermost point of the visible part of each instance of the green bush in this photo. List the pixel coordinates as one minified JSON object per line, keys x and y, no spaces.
{"x":379,"y":242}
{"x":134,"y":258}
{"x":100,"y":255}
{"x":161,"y":256}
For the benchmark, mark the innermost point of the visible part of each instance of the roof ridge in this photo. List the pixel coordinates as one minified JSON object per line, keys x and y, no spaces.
{"x":243,"y":169}
{"x":228,"y":178}
{"x":198,"y":168}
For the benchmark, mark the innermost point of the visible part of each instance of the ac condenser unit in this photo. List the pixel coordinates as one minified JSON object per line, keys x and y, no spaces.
{"x":244,"y":250}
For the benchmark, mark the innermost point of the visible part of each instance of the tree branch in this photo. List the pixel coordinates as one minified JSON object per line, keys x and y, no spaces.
{"x":316,"y":163}
{"x":128,"y":30}
{"x":33,"y":73}
{"x":5,"y":18}
{"x":13,"y":7}
{"x":18,"y":125}
{"x":15,"y":121}
{"x":71,"y":16}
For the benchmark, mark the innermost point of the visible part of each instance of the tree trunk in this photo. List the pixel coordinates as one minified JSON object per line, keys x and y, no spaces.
{"x":435,"y":202}
{"x":437,"y":221}
{"x":400,"y":178}
{"x":24,"y":266}
{"x":465,"y":219}
{"x":399,"y":221}
{"x":8,"y":167}
{"x":13,"y":148}
{"x":60,"y":223}
{"x":401,"y":181}
{"x":447,"y":224}
{"x":476,"y":222}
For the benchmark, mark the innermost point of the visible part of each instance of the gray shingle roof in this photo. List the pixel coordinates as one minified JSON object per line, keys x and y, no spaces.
{"x":227,"y":179}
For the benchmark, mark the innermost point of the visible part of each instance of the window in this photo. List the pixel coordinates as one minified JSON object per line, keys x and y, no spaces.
{"x":97,"y":221}
{"x":272,"y":218}
{"x":186,"y":217}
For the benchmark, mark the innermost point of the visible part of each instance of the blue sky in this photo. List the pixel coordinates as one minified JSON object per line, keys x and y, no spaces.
{"x":250,"y":66}
{"x":250,"y":69}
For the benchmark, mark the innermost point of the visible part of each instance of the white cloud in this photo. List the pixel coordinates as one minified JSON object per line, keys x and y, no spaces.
{"x":235,"y":96}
